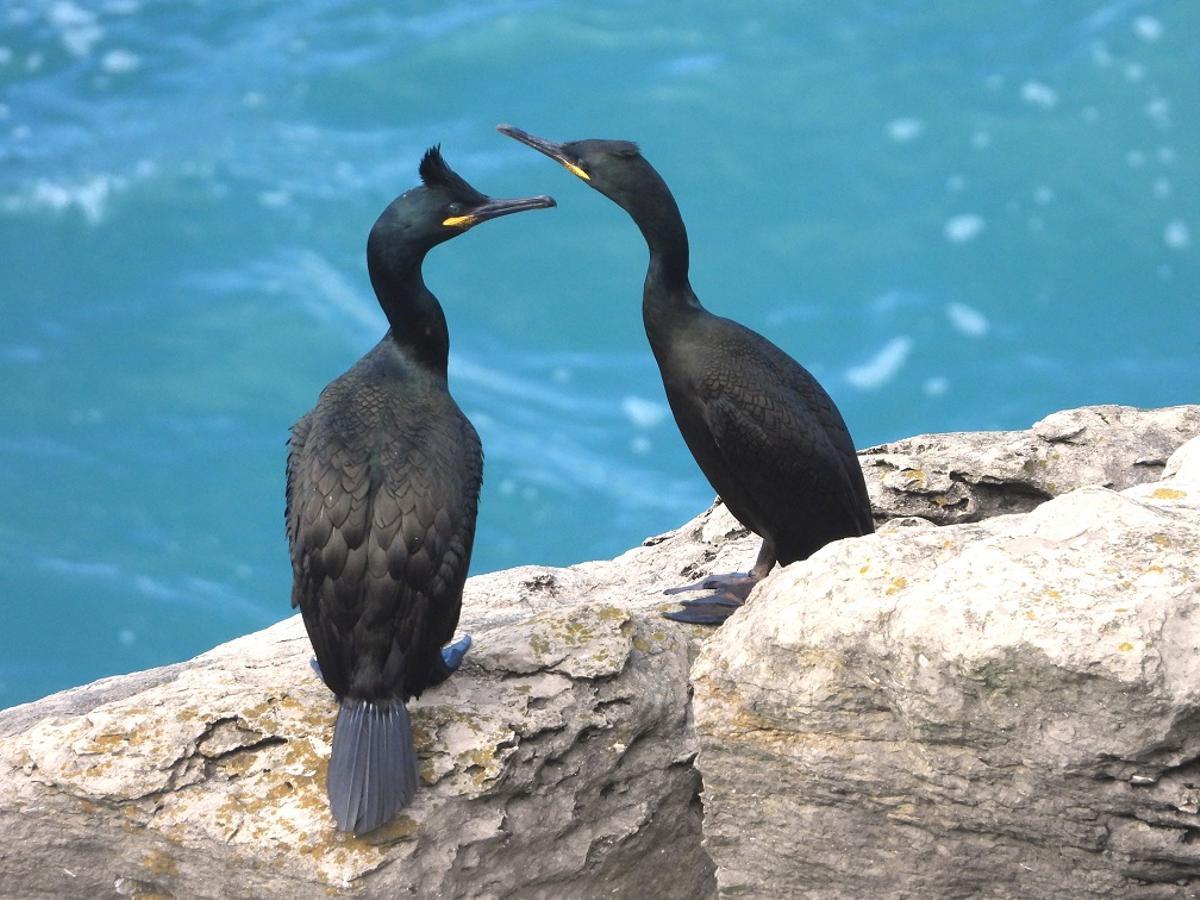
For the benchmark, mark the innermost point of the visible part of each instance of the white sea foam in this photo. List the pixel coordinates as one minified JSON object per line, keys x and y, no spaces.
{"x":1158,"y":111}
{"x":936,"y":386}
{"x":1039,"y":94}
{"x":883,"y":366}
{"x":120,"y":62}
{"x":905,"y":129}
{"x":1148,"y":28}
{"x":197,"y":591}
{"x":642,"y":412}
{"x":1177,"y":235}
{"x":574,"y":467}
{"x":693,"y":64}
{"x":153,"y":588}
{"x":796,"y":313}
{"x":65,"y":14}
{"x":77,"y":568}
{"x":332,"y":297}
{"x":1106,"y":15}
{"x":274,"y":199}
{"x":89,"y":197}
{"x":495,"y":381}
{"x":77,"y":27}
{"x":895,"y":300}
{"x":967,"y":320}
{"x":963,"y":228}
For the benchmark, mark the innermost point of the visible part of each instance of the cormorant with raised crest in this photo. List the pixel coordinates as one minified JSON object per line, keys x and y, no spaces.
{"x":762,"y":429}
{"x":383,"y":479}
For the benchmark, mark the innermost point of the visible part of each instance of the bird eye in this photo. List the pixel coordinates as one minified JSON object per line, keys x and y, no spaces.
{"x":455,"y":209}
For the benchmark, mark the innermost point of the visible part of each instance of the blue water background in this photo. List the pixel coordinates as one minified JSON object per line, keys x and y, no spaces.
{"x":958,"y":215}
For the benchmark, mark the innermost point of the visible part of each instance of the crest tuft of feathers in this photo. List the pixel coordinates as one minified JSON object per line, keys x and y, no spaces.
{"x":436,"y":173}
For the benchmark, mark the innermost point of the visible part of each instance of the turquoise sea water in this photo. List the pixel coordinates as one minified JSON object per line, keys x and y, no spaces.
{"x":958,"y":215}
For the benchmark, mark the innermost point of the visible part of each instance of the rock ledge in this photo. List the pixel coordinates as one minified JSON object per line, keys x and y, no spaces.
{"x":1002,"y":705}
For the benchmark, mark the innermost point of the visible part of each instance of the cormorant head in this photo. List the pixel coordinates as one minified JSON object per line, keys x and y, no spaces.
{"x":614,"y":168}
{"x":443,"y":206}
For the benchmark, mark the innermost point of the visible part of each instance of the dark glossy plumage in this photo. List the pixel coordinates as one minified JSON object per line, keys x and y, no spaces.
{"x":762,"y":429}
{"x":764,"y":432}
{"x":383,"y":481}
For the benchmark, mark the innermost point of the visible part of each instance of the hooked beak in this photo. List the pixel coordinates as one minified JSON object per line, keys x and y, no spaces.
{"x":493,"y":209}
{"x":551,"y":149}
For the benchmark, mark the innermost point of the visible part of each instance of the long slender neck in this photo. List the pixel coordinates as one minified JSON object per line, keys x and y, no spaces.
{"x":418,"y":325}
{"x":667,"y":294}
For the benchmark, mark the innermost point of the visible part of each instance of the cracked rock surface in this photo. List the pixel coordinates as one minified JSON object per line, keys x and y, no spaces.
{"x":969,"y":476}
{"x":1008,"y":708}
{"x":557,"y":759}
{"x":967,"y":693}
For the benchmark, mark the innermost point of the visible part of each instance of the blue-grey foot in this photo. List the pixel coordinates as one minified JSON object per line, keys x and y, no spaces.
{"x":728,"y":602}
{"x":450,"y":659}
{"x":452,"y":654}
{"x":729,"y":592}
{"x":733,"y":584}
{"x":698,"y":612}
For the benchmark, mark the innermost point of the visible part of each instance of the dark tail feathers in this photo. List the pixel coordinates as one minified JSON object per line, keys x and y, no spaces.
{"x":373,"y":768}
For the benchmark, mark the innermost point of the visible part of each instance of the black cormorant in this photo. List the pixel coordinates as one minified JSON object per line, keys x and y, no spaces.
{"x":383,"y":479}
{"x":762,"y":429}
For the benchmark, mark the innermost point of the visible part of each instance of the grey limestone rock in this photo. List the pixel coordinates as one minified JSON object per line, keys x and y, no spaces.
{"x":1008,"y":708}
{"x":978,"y":707}
{"x":969,"y":476}
{"x":559,"y":759}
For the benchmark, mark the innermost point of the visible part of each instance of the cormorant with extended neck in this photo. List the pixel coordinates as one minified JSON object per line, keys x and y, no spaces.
{"x":383,"y":479}
{"x":762,"y":429}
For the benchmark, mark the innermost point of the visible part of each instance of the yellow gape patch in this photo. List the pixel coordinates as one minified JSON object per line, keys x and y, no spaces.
{"x":575,"y":170}
{"x":459,"y":222}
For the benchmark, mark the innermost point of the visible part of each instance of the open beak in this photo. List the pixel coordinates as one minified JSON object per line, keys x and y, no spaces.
{"x":541,"y":145}
{"x":493,"y":209}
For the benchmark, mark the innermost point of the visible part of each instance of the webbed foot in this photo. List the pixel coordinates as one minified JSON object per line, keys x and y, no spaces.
{"x":733,"y":585}
{"x":452,"y":654}
{"x":730,"y":592}
{"x":450,"y":659}
{"x":700,"y":613}
{"x":731,"y":603}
